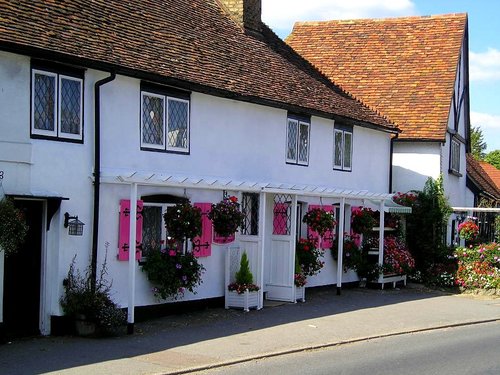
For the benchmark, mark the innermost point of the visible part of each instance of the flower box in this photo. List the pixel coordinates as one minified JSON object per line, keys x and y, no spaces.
{"x":300,"y":293}
{"x":391,"y":278}
{"x":245,"y":300}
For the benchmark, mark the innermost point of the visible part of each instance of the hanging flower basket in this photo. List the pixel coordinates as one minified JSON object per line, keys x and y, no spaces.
{"x":226,"y":216}
{"x":183,"y":221}
{"x":468,"y":230}
{"x":13,"y":228}
{"x":362,"y":220}
{"x":319,"y":220}
{"x":309,"y":257}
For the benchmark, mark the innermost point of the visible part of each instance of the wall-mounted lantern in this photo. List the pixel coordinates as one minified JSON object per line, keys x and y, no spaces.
{"x":75,"y":226}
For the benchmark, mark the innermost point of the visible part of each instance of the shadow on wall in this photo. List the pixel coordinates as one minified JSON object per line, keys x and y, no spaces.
{"x":404,"y":180}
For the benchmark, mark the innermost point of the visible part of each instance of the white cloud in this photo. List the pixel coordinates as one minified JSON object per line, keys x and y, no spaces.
{"x":282,"y":14}
{"x":490,"y":127}
{"x":484,"y":66}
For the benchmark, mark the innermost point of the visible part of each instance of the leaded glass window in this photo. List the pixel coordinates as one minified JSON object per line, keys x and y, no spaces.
{"x":342,"y":149}
{"x":152,"y":229}
{"x":57,"y":105}
{"x":297,"y":142}
{"x":455,"y":156}
{"x":164,"y":122}
{"x":178,"y":119}
{"x":152,"y":120}
{"x":250,"y":209}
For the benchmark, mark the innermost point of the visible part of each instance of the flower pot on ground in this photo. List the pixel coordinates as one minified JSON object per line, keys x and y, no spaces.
{"x":226,"y":216}
{"x":299,"y":281}
{"x":243,"y":293}
{"x":90,"y":304}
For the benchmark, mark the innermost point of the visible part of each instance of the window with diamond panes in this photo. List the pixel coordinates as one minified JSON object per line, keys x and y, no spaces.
{"x":153,"y":232}
{"x":57,"y":105}
{"x":342,"y":150}
{"x":282,"y":214}
{"x":178,"y":119}
{"x":152,"y":120}
{"x":297,"y":142}
{"x":164,"y":123}
{"x":250,"y":209}
{"x":455,"y":156}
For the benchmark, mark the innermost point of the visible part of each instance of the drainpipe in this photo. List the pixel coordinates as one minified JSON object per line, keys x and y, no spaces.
{"x":390,"y":160}
{"x":97,"y":173}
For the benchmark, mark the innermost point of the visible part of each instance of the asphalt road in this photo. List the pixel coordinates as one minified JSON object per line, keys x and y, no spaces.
{"x":473,"y":349}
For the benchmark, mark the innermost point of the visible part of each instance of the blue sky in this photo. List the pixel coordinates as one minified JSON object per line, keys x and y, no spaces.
{"x":484,"y":40}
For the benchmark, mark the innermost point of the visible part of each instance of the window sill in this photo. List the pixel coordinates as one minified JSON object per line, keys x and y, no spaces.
{"x":455,"y":173}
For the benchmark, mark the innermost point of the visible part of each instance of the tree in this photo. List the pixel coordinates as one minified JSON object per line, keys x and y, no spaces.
{"x":478,"y":145}
{"x":493,"y":158}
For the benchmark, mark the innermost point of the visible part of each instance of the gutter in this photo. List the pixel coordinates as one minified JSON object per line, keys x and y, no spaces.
{"x":391,"y":160}
{"x":97,"y":173}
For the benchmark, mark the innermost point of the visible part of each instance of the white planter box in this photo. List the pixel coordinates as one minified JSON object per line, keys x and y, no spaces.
{"x":300,"y":293}
{"x":391,"y":278}
{"x":246,"y":300}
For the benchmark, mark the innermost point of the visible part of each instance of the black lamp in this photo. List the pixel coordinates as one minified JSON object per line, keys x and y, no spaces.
{"x":75,"y":225}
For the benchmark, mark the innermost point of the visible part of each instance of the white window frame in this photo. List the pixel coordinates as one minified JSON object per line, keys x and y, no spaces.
{"x":57,"y":132}
{"x":164,"y":146}
{"x":298,"y":124}
{"x":77,"y":136}
{"x":455,"y":156}
{"x":342,"y":165}
{"x":173,"y":148}
{"x":161,"y":146}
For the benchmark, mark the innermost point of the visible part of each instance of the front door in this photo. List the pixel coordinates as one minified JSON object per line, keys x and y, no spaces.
{"x":281,"y":254}
{"x":22,"y":273}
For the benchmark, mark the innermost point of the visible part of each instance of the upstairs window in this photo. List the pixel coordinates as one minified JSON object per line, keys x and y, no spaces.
{"x":56,"y":103}
{"x":297,"y":140}
{"x":342,"y":149}
{"x":455,"y":156}
{"x":164,"y":120}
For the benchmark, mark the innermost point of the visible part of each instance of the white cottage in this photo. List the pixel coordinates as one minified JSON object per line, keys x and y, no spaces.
{"x":141,"y":105}
{"x":415,"y":71}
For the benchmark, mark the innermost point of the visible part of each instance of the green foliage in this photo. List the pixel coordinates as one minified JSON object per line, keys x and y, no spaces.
{"x":319,"y":220}
{"x":244,"y":275}
{"x":172,"y":273}
{"x":226,"y":216}
{"x":309,"y":256}
{"x":426,"y":226}
{"x":478,"y":145}
{"x":493,"y":158}
{"x":13,"y":228}
{"x":183,"y":221}
{"x":81,"y":298}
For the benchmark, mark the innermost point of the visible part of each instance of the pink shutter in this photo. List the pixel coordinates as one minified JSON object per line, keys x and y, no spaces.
{"x":327,"y":239}
{"x":202,"y":245}
{"x":280,"y":219}
{"x":124,"y":230}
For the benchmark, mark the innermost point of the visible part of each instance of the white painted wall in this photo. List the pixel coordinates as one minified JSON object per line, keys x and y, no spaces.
{"x":228,"y":139}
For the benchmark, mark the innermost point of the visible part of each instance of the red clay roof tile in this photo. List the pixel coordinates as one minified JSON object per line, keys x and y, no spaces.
{"x":404,"y":67}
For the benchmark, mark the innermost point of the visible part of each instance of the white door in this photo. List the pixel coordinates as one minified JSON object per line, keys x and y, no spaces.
{"x":280,"y":252}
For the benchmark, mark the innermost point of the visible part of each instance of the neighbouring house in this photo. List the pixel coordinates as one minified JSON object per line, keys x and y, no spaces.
{"x":415,"y":71}
{"x":483,"y":192}
{"x":110,"y":107}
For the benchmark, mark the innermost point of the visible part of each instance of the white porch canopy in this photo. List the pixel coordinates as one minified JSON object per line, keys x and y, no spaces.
{"x":378,"y":201}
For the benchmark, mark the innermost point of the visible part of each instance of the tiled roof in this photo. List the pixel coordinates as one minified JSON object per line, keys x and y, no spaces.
{"x":403,"y":67}
{"x":191,"y":44}
{"x":477,"y":171}
{"x":492,"y":172}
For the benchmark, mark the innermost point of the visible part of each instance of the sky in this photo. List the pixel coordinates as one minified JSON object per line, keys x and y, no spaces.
{"x":484,"y":40}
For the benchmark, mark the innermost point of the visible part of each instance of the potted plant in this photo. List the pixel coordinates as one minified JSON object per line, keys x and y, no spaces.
{"x":13,"y":228}
{"x":319,"y":220}
{"x":226,"y":216}
{"x":172,"y":273}
{"x":243,"y":293}
{"x":183,"y":221}
{"x":299,"y":280}
{"x":309,"y":256}
{"x":468,"y":230}
{"x":362,"y":220}
{"x":397,"y":258}
{"x":351,"y":251}
{"x":91,"y":306}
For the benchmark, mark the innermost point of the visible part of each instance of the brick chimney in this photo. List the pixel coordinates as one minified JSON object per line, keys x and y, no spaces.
{"x":247,"y":13}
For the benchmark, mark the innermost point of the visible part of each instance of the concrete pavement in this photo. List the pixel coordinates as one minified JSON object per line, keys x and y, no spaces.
{"x":214,"y":337}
